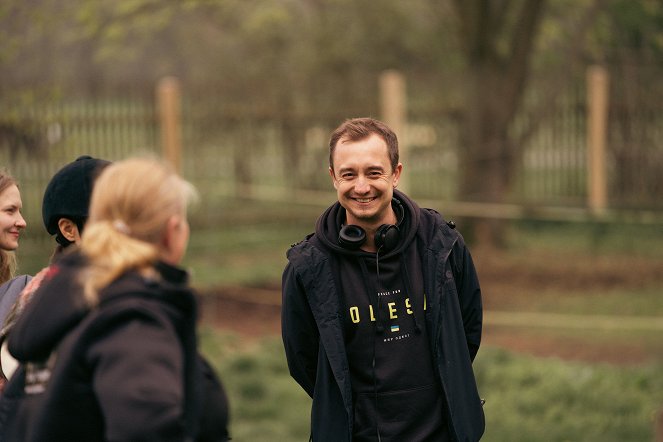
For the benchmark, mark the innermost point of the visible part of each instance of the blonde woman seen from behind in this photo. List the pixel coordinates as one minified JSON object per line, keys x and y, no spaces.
{"x":137,"y":217}
{"x":119,"y":317}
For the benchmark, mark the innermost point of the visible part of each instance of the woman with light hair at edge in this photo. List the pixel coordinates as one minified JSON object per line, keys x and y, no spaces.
{"x":11,"y":224}
{"x":115,"y":354}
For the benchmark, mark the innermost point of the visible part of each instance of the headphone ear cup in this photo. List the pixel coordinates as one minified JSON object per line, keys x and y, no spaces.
{"x":351,"y":237}
{"x":386,"y":236}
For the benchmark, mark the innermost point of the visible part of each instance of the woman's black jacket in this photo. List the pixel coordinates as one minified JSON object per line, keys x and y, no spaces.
{"x":127,"y":369}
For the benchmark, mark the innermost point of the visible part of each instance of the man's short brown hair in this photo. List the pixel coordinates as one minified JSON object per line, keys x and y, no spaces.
{"x":357,"y":129}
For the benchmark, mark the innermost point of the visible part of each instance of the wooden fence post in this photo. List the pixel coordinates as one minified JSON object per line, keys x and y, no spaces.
{"x":597,"y":125}
{"x":393,"y":100}
{"x":169,"y":110}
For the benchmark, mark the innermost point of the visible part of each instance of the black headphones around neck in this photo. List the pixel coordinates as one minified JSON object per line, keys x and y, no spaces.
{"x":386,"y":237}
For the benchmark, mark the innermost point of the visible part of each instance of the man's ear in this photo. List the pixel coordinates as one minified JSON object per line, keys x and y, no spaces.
{"x":333,"y":177}
{"x":69,"y":229}
{"x":397,"y":174}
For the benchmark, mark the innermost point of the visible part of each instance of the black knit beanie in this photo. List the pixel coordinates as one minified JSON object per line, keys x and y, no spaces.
{"x":68,"y":194}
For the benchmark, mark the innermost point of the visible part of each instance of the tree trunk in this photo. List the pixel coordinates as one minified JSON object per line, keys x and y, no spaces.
{"x":495,"y":83}
{"x":487,"y":163}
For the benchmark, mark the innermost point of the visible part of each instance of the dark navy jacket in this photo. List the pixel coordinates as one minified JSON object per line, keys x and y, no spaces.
{"x":313,"y":332}
{"x":127,"y":369}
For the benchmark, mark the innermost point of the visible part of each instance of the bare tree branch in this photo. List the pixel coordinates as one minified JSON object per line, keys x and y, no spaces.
{"x":522,"y":42}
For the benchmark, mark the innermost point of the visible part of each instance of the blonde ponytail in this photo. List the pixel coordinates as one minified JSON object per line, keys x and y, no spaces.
{"x":112,"y":253}
{"x":131,"y":203}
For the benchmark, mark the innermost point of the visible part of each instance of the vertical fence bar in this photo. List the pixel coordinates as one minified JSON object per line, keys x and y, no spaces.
{"x":393,"y":100}
{"x":169,"y":108}
{"x":658,"y":431}
{"x":597,"y":124}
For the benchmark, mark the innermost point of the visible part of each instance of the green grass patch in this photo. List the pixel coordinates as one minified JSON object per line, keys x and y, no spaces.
{"x":242,"y":254}
{"x":591,"y":238}
{"x":265,"y":403}
{"x":532,"y":399}
{"x":630,"y":302}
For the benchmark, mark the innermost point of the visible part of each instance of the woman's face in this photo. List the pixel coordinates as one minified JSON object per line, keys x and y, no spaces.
{"x":11,"y":220}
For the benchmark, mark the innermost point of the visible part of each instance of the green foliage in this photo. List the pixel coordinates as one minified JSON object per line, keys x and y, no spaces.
{"x":528,"y":399}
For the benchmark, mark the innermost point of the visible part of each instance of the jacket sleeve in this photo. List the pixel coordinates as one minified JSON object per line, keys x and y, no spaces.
{"x":299,"y":331}
{"x":138,"y":379}
{"x":9,"y":292}
{"x":469,"y":296}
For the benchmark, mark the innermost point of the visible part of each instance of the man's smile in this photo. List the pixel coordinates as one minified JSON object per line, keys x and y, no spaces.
{"x":364,"y":200}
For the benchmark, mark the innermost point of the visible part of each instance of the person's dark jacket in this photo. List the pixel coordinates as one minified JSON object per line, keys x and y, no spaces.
{"x":313,"y":332}
{"x":127,"y":369}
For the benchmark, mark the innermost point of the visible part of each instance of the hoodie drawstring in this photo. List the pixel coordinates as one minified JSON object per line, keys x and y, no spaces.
{"x":408,"y":290}
{"x":374,"y":298}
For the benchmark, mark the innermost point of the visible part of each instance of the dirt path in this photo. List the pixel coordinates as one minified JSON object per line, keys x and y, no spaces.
{"x":255,"y":312}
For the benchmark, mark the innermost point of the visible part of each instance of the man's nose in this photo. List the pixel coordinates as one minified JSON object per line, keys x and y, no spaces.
{"x":361,"y":185}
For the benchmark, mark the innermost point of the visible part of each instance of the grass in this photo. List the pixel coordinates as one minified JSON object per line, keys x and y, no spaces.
{"x":242,"y":254}
{"x":592,"y":238}
{"x":641,"y":302}
{"x":532,"y":399}
{"x":266,"y":404}
{"x":528,"y":398}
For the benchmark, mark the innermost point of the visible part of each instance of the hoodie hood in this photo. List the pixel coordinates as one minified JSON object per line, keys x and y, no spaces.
{"x":331,"y":221}
{"x":59,"y":305}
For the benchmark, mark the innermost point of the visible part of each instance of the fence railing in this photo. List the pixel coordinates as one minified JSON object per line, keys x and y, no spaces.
{"x":589,"y":156}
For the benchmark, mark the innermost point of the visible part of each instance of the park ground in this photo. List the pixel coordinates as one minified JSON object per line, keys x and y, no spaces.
{"x":592,"y":308}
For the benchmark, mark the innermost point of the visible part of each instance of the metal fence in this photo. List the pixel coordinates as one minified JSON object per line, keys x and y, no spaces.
{"x":262,"y":153}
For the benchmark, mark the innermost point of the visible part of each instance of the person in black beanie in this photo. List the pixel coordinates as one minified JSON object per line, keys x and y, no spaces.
{"x":67,"y":198}
{"x":64,"y":211}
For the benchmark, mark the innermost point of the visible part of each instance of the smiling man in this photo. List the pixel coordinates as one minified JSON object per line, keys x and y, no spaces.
{"x":382,"y":313}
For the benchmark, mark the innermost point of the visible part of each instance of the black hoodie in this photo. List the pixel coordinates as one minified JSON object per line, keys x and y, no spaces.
{"x":126,"y":370}
{"x":395,"y":389}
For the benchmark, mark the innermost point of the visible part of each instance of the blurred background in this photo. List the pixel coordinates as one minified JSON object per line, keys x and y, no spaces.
{"x":536,"y":125}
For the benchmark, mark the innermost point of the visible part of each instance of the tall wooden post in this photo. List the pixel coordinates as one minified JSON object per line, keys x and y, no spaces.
{"x":393,"y":100}
{"x":597,"y":126}
{"x":169,"y":110}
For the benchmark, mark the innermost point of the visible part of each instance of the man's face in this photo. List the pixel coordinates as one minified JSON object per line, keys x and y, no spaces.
{"x":11,"y":220}
{"x":364,"y":180}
